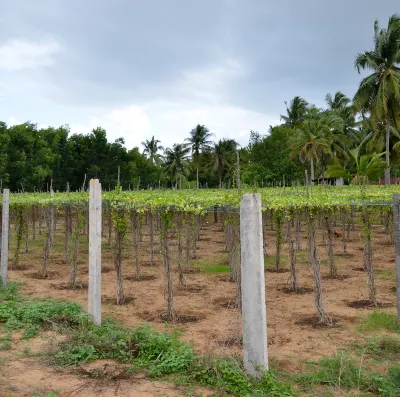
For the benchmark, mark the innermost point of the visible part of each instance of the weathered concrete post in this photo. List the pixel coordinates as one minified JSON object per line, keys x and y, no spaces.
{"x":94,"y":292}
{"x":4,"y":237}
{"x":254,"y":316}
{"x":396,"y":224}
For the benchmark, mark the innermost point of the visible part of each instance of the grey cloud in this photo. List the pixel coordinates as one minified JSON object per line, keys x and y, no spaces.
{"x":118,"y":51}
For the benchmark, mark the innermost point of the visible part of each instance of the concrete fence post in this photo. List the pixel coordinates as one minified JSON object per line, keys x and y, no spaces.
{"x":4,"y":236}
{"x":396,"y":227}
{"x":94,"y":292}
{"x":254,"y":315}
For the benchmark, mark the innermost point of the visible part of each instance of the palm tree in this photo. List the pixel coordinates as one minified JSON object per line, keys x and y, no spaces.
{"x":314,"y":137}
{"x":338,"y":102}
{"x":151,"y":147}
{"x":296,"y":112}
{"x":379,"y":93}
{"x":224,"y":156}
{"x":199,"y":141}
{"x":364,"y":167}
{"x":176,"y":162}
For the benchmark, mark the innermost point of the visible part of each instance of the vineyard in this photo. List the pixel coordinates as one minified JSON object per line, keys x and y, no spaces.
{"x":174,"y":256}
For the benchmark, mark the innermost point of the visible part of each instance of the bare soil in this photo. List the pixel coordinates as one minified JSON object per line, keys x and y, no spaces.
{"x":207,"y":300}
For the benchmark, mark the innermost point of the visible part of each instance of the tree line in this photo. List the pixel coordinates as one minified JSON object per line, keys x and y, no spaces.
{"x":357,"y":139}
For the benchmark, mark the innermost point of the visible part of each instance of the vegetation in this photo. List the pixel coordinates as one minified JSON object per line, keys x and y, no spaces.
{"x":139,"y":349}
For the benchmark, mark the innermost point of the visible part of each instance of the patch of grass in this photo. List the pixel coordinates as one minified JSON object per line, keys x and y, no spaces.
{"x":155,"y":353}
{"x":269,"y":261}
{"x":377,"y":321}
{"x":5,"y":342}
{"x":34,"y":315}
{"x":334,"y":371}
{"x":211,"y":269}
{"x":385,"y":274}
{"x":343,"y":372}
{"x":383,"y":348}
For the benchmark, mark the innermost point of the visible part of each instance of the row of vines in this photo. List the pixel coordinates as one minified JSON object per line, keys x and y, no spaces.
{"x":169,"y":236}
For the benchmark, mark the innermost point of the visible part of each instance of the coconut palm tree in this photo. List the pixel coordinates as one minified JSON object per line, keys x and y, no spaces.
{"x":338,"y":101}
{"x":364,"y":167}
{"x":176,"y":162}
{"x":379,"y":93}
{"x":151,"y":148}
{"x":296,"y":112}
{"x":224,"y":155}
{"x":314,"y":137}
{"x":198,"y":141}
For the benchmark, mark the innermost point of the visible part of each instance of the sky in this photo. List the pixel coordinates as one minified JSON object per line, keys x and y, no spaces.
{"x":158,"y":67}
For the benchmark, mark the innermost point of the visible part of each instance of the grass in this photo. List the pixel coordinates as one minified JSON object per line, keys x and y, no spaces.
{"x":385,"y":274}
{"x":164,"y":355}
{"x":214,"y":269}
{"x":142,"y":348}
{"x":385,"y":348}
{"x":378,"y":321}
{"x":213,"y":265}
{"x":342,"y":372}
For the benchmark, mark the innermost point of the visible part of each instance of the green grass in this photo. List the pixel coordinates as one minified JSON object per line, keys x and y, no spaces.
{"x":385,"y":274}
{"x":385,"y":348}
{"x":377,"y":321}
{"x":269,"y":261}
{"x":343,"y":372}
{"x":142,"y":348}
{"x":211,"y":269}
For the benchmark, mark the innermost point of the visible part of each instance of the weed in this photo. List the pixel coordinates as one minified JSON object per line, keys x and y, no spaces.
{"x":385,"y":274}
{"x":342,"y":372}
{"x":379,"y":320}
{"x":143,"y":348}
{"x":211,"y":269}
{"x":384,"y":348}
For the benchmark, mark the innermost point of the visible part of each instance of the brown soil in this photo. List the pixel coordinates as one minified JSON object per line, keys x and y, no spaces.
{"x":314,"y":322}
{"x":143,"y":277}
{"x":218,"y":325}
{"x":300,"y":291}
{"x":365,"y":303}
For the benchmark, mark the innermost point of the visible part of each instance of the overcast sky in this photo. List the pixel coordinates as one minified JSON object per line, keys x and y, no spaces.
{"x":160,"y":67}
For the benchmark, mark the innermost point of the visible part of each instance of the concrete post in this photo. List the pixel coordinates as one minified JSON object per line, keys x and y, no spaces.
{"x":94,"y":292}
{"x":254,"y":316}
{"x":4,"y":237}
{"x":396,"y":224}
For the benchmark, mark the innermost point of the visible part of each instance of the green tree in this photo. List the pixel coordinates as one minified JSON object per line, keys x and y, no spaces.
{"x":224,"y":157}
{"x":151,"y":148}
{"x":198,"y":141}
{"x":176,"y":162}
{"x":363,"y":167}
{"x":379,"y":93}
{"x":314,"y":137}
{"x":296,"y":112}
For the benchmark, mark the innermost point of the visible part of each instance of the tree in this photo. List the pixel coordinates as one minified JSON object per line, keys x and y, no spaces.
{"x":338,"y":102}
{"x":198,"y":141}
{"x":224,"y":156}
{"x":379,"y":93}
{"x":269,"y":158}
{"x":151,"y":148}
{"x":363,"y":167}
{"x":314,"y":138}
{"x":296,"y":112}
{"x":176,"y":162}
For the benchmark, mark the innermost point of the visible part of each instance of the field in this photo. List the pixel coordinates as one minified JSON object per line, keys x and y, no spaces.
{"x":355,"y":354}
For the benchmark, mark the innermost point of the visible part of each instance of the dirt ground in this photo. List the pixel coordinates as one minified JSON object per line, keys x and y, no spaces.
{"x":218,"y":330}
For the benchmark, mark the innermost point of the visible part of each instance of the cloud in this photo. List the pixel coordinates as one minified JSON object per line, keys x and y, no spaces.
{"x":198,"y":96}
{"x":129,"y":122}
{"x":18,"y":54}
{"x":172,"y":121}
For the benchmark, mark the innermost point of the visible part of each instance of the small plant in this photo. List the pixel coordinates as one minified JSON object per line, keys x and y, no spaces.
{"x":380,"y":320}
